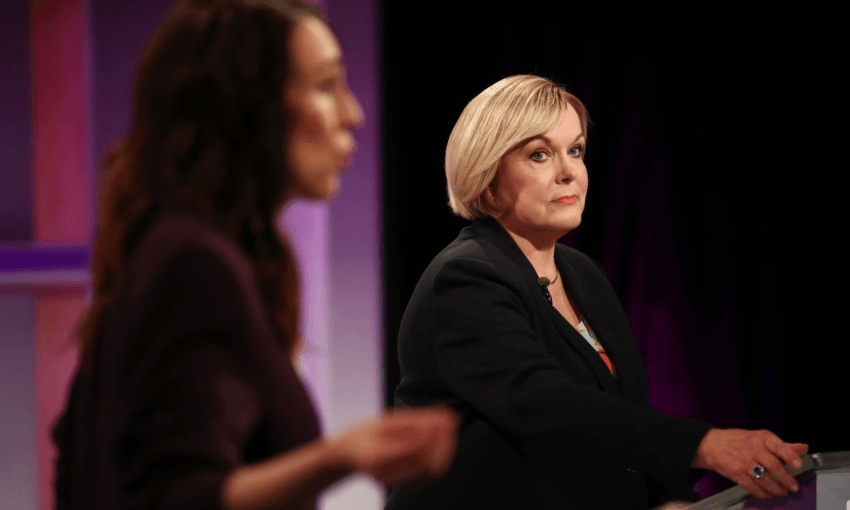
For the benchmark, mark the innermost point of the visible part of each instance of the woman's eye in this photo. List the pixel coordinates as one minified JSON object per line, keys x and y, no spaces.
{"x":577,"y":151}
{"x":538,"y":155}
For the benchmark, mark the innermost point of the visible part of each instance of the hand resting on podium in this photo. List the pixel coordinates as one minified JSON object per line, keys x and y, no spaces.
{"x":734,"y":453}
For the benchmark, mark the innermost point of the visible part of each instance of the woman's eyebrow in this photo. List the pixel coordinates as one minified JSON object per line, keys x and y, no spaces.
{"x":548,"y":140}
{"x":331,"y":63}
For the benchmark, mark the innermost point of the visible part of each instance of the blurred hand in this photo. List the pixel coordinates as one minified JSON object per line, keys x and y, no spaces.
{"x":403,"y":445}
{"x":733,"y":453}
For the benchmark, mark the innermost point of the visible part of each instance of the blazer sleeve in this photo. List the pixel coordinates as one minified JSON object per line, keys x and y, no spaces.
{"x":187,"y":378}
{"x":488,"y":353}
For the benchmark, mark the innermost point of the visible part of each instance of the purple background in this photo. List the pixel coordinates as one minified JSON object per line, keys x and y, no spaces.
{"x":120,"y":29}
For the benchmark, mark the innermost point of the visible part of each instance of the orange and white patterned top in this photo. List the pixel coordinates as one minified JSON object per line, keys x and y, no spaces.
{"x":585,"y":331}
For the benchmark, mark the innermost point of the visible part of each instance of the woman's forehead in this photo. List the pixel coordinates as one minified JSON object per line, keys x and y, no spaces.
{"x":314,"y":47}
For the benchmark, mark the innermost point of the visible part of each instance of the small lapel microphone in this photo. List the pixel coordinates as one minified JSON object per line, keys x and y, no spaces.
{"x":544,"y":283}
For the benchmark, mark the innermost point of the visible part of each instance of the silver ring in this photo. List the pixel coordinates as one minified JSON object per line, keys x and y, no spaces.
{"x":757,"y":471}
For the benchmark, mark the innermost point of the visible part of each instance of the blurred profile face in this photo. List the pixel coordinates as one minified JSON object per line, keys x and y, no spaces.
{"x":541,"y":185}
{"x":323,"y":112}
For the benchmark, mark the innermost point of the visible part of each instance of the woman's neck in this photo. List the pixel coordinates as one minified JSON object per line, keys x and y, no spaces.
{"x":538,"y":249}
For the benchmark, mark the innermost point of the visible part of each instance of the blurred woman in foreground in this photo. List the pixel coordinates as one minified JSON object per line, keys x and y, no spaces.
{"x":186,"y":396}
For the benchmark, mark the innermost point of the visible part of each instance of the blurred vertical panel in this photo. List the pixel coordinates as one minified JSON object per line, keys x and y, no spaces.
{"x":306,"y":227}
{"x":355,"y":338}
{"x":61,"y":121}
{"x":62,"y":201}
{"x":15,"y":123}
{"x":354,"y":226}
{"x":56,"y":315}
{"x":17,"y":402}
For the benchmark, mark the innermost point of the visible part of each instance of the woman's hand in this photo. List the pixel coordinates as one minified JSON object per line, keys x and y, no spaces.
{"x":403,"y":445}
{"x":734,"y":452}
{"x":395,"y":448}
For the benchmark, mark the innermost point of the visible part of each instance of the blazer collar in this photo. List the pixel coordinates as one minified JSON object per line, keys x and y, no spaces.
{"x":492,"y":231}
{"x":614,"y":333}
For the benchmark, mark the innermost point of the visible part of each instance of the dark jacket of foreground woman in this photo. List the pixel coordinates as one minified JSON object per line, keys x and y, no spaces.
{"x":187,"y":382}
{"x":545,"y":424}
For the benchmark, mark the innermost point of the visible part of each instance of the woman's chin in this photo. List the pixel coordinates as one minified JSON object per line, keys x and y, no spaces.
{"x":323,"y":191}
{"x":563,"y":225}
{"x":560,"y":229}
{"x":331,"y":189}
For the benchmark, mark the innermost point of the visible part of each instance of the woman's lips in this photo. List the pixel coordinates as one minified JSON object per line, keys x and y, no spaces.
{"x":571,"y":199}
{"x":346,"y":160}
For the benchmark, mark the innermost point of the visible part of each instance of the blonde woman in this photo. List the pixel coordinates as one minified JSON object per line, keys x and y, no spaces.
{"x":527,"y":340}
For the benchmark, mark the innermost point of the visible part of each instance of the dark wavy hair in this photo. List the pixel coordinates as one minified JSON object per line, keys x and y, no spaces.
{"x":206,"y":137}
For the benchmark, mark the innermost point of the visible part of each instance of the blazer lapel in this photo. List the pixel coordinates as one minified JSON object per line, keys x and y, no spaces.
{"x":610,"y":335}
{"x":586,"y":351}
{"x":615,"y":337}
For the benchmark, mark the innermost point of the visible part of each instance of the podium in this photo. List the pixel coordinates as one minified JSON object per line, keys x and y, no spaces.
{"x":824,"y":482}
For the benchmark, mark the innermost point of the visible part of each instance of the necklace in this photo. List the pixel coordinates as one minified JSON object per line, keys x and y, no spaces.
{"x":544,"y":282}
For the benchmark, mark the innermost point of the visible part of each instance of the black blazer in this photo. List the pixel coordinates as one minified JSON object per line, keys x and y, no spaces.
{"x":545,"y":424}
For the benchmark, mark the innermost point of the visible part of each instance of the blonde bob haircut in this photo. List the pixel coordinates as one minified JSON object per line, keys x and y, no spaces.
{"x":494,"y":122}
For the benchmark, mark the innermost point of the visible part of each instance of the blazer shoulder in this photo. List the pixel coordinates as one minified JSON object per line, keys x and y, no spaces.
{"x":485,"y":241}
{"x":475,"y":256}
{"x":474,"y":267}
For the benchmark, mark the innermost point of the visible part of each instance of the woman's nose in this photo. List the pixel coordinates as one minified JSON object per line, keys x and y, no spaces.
{"x":567,"y":170}
{"x":352,"y":112}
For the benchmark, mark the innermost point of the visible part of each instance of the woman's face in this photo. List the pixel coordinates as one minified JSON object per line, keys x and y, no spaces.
{"x":541,"y":185}
{"x":323,"y":111}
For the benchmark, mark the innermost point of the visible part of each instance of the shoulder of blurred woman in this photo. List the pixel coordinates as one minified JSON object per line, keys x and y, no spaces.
{"x":182,"y":252}
{"x":183,"y":279}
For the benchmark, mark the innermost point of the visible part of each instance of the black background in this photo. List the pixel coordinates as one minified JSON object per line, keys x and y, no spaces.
{"x":716,"y":171}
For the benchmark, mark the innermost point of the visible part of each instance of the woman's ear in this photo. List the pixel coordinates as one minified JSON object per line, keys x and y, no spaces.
{"x":491,"y":200}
